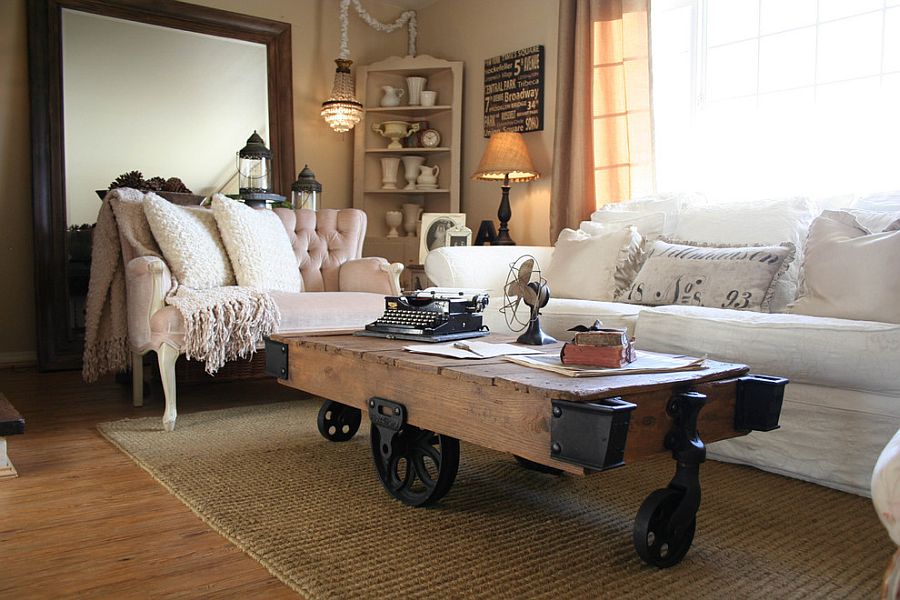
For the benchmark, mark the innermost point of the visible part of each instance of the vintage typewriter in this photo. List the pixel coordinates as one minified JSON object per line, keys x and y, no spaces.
{"x":432,"y":315}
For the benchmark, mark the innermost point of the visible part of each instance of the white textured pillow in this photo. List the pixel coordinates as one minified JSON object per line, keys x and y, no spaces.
{"x":737,"y":277}
{"x":190,"y":243}
{"x":258,"y":245}
{"x":849,"y":272}
{"x":592,"y":267}
{"x":758,"y":222}
{"x":650,"y":225}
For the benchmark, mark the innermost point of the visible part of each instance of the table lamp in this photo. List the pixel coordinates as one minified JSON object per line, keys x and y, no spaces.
{"x":505,"y":158}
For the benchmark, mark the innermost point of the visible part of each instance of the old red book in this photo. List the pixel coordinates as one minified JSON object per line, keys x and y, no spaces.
{"x":597,"y":356}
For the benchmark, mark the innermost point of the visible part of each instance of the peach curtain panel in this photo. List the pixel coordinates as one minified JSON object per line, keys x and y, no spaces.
{"x":603,"y":146}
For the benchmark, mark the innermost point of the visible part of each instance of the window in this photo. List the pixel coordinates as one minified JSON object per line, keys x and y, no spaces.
{"x":759,"y":98}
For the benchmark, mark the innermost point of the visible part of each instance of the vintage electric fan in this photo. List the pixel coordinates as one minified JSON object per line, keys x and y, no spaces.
{"x":525,"y":286}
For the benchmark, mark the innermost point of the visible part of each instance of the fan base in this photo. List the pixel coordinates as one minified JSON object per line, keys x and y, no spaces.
{"x":534,"y":336}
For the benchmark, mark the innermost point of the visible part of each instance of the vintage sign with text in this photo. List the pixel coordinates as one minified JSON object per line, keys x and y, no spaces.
{"x":514,"y":91}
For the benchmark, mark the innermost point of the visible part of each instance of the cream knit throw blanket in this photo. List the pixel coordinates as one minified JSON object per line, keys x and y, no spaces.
{"x":221,"y":324}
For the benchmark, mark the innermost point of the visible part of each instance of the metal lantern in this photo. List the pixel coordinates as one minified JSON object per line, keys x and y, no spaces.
{"x":306,"y":192}
{"x":254,"y":162}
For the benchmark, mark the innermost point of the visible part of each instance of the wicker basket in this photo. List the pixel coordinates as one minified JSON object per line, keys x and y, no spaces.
{"x":192,"y":371}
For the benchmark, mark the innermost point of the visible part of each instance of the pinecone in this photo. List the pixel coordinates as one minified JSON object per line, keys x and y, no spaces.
{"x":173,"y":184}
{"x":131,"y":179}
{"x":155,"y":184}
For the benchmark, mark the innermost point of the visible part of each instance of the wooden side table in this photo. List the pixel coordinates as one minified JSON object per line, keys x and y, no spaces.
{"x":11,"y":423}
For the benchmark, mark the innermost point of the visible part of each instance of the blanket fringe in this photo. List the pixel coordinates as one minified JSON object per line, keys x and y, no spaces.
{"x":228,"y":329}
{"x":104,"y":357}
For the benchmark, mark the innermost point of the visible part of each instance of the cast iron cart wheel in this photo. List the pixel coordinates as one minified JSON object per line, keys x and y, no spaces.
{"x":533,"y":466}
{"x":338,"y":422}
{"x":654,"y":543}
{"x":416,"y":466}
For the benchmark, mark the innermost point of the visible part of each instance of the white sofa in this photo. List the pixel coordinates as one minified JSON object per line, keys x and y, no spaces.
{"x":843,"y":403}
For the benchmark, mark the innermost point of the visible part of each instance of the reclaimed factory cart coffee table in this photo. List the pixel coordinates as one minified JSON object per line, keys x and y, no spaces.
{"x":420,"y":406}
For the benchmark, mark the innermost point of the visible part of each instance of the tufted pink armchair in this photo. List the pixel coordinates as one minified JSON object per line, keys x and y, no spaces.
{"x":341,"y":291}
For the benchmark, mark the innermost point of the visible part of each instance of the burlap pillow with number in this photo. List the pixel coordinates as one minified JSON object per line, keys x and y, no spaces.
{"x":740,"y":278}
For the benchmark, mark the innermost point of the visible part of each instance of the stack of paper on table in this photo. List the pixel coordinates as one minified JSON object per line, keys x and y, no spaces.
{"x":470,"y":349}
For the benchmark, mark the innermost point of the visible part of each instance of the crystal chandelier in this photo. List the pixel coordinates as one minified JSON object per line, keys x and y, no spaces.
{"x":342,"y":111}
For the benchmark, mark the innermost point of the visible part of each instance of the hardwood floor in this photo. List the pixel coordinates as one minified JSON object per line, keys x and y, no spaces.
{"x":82,"y":520}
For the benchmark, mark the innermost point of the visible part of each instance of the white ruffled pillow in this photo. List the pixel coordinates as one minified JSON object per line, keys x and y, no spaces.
{"x":190,"y":243}
{"x":592,"y":267}
{"x":258,"y":245}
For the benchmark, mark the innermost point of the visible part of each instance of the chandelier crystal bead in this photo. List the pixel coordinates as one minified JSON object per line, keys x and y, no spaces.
{"x":342,"y":111}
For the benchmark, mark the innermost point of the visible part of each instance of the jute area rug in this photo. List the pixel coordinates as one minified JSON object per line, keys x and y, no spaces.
{"x":314,"y":513}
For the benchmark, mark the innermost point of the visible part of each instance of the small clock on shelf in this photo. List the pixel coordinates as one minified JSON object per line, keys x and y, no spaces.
{"x":430,"y":138}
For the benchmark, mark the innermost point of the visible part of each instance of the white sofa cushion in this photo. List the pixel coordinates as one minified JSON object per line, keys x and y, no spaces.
{"x":190,"y":243}
{"x":592,"y":267}
{"x":881,"y":201}
{"x":482,"y":267}
{"x":560,"y":314}
{"x":849,"y":272}
{"x":757,"y":222}
{"x":308,"y":311}
{"x":740,"y":278}
{"x":258,"y":245}
{"x":861,"y":355}
{"x":650,"y":225}
{"x":670,"y":204}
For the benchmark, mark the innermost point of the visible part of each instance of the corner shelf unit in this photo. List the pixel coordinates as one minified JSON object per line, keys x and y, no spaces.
{"x":444,"y":77}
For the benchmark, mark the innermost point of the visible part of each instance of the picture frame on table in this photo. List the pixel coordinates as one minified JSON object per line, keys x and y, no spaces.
{"x":458,"y":236}
{"x":433,"y":231}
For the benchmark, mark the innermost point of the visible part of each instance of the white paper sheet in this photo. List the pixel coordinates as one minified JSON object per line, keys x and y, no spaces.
{"x":471,"y":349}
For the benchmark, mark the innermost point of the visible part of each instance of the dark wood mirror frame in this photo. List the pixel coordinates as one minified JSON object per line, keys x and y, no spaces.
{"x":58,"y":346}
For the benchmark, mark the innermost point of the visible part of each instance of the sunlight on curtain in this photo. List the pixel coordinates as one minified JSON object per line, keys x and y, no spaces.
{"x":622,"y":125}
{"x":760,"y":98}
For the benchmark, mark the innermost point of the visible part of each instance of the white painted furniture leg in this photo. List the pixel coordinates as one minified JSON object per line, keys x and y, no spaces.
{"x":167,"y":355}
{"x":137,"y":379}
{"x":6,"y":468}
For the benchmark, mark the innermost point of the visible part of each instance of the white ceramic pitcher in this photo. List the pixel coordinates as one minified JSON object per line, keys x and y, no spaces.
{"x":392,"y":95}
{"x":428,"y":176}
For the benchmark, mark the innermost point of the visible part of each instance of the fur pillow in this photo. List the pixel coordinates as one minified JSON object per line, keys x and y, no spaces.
{"x":258,"y":245}
{"x":190,"y":243}
{"x":741,"y":278}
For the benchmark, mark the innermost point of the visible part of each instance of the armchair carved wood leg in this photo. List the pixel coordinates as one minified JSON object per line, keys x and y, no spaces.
{"x":167,"y":355}
{"x":137,"y":379}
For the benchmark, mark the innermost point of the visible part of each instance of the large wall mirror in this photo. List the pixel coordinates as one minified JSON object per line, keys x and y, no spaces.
{"x":166,"y":88}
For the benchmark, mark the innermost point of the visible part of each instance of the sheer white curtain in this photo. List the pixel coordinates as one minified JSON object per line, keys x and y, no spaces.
{"x":760,"y":98}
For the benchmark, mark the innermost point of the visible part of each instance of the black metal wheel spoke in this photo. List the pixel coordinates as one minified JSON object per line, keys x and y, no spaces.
{"x":418,"y":485}
{"x":338,"y":422}
{"x":656,"y":541}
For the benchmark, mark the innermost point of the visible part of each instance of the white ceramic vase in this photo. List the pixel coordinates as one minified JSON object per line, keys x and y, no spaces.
{"x":389,"y":166}
{"x":411,"y":214}
{"x":415,"y":86}
{"x":411,"y":166}
{"x":393,"y":218}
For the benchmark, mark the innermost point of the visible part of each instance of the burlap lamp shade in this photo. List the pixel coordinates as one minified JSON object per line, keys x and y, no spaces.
{"x":505,"y":159}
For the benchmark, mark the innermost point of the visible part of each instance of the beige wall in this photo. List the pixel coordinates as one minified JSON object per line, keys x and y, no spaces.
{"x":472,"y":31}
{"x":468,"y":30}
{"x":16,"y":270}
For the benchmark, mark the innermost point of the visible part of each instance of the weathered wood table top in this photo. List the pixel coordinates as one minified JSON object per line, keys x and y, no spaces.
{"x":496,"y":403}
